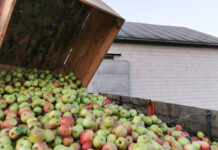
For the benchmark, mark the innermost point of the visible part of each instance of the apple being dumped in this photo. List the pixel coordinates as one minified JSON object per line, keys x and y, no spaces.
{"x":41,"y":110}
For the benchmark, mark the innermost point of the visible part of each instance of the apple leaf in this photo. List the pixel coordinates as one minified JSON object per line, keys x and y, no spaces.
{"x":21,"y":129}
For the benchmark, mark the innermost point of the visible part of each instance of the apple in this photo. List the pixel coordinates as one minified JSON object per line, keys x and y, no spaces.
{"x":59,"y":105}
{"x":64,"y":130}
{"x":128,"y":127}
{"x":120,"y":131}
{"x":57,"y":140}
{"x":14,"y":106}
{"x":3,"y":104}
{"x":84,"y":112}
{"x":68,"y":98}
{"x":53,"y":123}
{"x":109,"y":146}
{"x":99,"y":141}
{"x":54,"y":114}
{"x":122,"y":143}
{"x":77,"y":131}
{"x":23,"y":142}
{"x":14,"y":134}
{"x":136,"y":120}
{"x":129,"y":139}
{"x":141,"y":130}
{"x":133,"y":112}
{"x":79,"y":121}
{"x":36,"y":135}
{"x":204,"y":145}
{"x":108,"y":111}
{"x":74,"y":110}
{"x":9,"y":123}
{"x":154,"y":119}
{"x":183,"y":141}
{"x":67,"y":121}
{"x":10,"y":99}
{"x":26,"y":114}
{"x":21,"y":99}
{"x":87,"y":123}
{"x":178,"y":127}
{"x":87,"y":145}
{"x":37,"y":110}
{"x":87,"y":136}
{"x":4,"y":132}
{"x":124,"y":113}
{"x":48,"y":107}
{"x":111,"y":138}
{"x":206,"y":139}
{"x":40,"y":146}
{"x":5,"y":140}
{"x":34,"y":123}
{"x":67,"y":141}
{"x":196,"y":145}
{"x":135,"y":136}
{"x":6,"y":147}
{"x":200,"y":134}
{"x":49,"y":135}
{"x":108,"y":121}
{"x":75,"y":146}
{"x":155,"y":145}
{"x":143,"y":139}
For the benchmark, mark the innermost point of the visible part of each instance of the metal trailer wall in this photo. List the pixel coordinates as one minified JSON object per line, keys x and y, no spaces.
{"x":192,"y":119}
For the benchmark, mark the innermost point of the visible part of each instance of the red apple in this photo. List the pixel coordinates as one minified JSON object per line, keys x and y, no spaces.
{"x":206,"y":139}
{"x":87,"y":145}
{"x":159,"y":141}
{"x":194,"y":138}
{"x":64,"y":130}
{"x":40,"y":146}
{"x":48,"y":107}
{"x":178,"y":127}
{"x":67,"y":121}
{"x":204,"y":145}
{"x":128,"y":127}
{"x":86,"y":136}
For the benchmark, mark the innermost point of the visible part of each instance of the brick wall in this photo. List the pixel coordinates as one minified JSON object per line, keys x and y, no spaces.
{"x":181,"y":75}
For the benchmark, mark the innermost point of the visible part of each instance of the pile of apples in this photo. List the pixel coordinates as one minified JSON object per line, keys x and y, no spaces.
{"x":41,"y":110}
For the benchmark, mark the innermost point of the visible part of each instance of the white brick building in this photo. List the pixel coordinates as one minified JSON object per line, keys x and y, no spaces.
{"x":183,"y":72}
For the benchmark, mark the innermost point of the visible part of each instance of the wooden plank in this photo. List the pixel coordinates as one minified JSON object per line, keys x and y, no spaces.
{"x":101,"y":6}
{"x":97,"y":36}
{"x":6,"y":9}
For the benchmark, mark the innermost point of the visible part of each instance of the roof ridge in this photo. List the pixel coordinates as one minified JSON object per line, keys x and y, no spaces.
{"x":134,"y":31}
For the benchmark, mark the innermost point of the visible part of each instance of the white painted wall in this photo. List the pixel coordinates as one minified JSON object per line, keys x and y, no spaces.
{"x":182,"y":75}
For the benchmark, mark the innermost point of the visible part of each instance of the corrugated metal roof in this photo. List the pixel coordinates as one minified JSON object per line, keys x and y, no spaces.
{"x":164,"y":34}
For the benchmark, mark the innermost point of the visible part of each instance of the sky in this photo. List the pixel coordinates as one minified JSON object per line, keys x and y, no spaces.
{"x":201,"y":15}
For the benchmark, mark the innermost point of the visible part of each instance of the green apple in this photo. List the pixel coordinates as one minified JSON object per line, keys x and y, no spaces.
{"x":141,"y":130}
{"x":111,"y":138}
{"x":140,"y":146}
{"x":133,"y":112}
{"x":10,"y":99}
{"x":99,"y":141}
{"x":108,"y":122}
{"x":77,"y":130}
{"x":122,"y":143}
{"x":143,"y":139}
{"x":49,"y":135}
{"x":200,"y":134}
{"x":87,"y":123}
{"x":58,"y":140}
{"x":6,"y":147}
